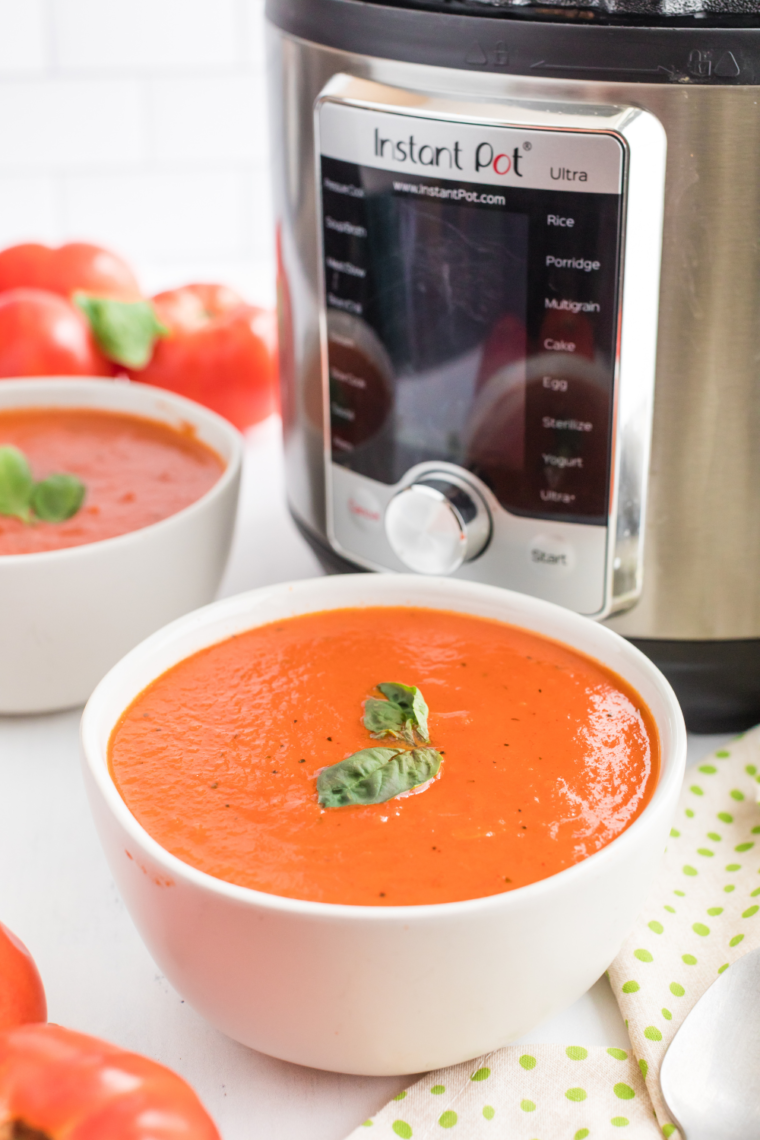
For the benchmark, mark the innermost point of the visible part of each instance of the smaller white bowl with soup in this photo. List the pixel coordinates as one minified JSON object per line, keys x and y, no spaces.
{"x":383,"y":823}
{"x":117,"y":508}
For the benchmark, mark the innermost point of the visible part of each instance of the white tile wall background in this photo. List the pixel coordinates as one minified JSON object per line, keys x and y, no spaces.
{"x":139,"y":125}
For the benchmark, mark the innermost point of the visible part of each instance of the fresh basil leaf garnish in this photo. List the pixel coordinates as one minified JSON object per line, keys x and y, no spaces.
{"x":411,"y":701}
{"x":403,"y":713}
{"x":375,"y":775}
{"x":54,"y":499}
{"x":381,"y":718}
{"x":58,"y":497}
{"x":16,"y":483}
{"x":126,"y":331}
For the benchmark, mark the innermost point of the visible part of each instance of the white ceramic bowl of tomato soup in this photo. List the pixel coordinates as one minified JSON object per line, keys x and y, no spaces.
{"x":379,"y":989}
{"x":67,"y":615}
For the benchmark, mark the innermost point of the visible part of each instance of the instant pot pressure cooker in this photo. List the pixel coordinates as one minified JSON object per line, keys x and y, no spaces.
{"x":519,"y":277}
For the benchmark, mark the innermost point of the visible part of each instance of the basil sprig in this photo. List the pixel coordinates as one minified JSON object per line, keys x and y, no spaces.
{"x":54,"y":499}
{"x":401,"y":715}
{"x":375,"y":775}
{"x":16,"y":484}
{"x":126,"y":331}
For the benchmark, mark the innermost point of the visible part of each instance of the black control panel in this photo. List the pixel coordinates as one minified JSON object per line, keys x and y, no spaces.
{"x":477,"y":325}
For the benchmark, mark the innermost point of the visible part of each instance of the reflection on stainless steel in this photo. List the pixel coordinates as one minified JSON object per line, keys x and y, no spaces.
{"x":702,"y":544}
{"x":437,"y":523}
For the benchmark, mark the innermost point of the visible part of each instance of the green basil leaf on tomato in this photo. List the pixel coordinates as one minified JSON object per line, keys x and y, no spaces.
{"x":124,"y":330}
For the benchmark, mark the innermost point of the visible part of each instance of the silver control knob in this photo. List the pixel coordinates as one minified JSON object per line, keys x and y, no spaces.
{"x":437,"y":523}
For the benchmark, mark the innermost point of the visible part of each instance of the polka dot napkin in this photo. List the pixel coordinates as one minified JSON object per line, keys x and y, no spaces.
{"x":703,"y":914}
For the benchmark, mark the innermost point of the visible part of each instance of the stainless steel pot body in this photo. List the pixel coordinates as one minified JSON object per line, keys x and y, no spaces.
{"x":702,"y":542}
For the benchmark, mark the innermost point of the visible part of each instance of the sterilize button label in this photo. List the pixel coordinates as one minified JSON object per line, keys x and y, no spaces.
{"x":567,"y":425}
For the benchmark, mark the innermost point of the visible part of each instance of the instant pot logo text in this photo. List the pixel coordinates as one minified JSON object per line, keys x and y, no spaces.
{"x":419,"y":154}
{"x":499,"y":163}
{"x":411,"y":150}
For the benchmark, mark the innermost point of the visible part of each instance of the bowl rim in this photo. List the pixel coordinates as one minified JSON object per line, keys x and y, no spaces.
{"x":212,"y":616}
{"x":54,"y":384}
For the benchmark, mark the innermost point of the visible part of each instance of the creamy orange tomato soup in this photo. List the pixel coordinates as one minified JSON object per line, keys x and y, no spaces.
{"x":136,"y":472}
{"x":547,"y":757}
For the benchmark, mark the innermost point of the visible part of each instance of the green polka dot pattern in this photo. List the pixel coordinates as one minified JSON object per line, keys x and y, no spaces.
{"x":699,"y":938}
{"x":625,"y":1092}
{"x":543,"y":1100}
{"x":681,"y":943}
{"x":576,"y":1052}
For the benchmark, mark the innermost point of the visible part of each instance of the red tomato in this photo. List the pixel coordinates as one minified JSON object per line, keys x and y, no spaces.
{"x":66,"y":269}
{"x":42,"y":334}
{"x":22,"y":997}
{"x":219,"y":351}
{"x":55,"y":1083}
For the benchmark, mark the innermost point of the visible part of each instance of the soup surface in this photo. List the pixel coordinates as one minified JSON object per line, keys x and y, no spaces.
{"x":136,"y":472}
{"x":547,"y":756}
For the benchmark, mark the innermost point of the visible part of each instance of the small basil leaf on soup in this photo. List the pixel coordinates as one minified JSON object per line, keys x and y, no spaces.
{"x":58,"y":497}
{"x":411,"y":712}
{"x":375,"y":775}
{"x":16,"y":483}
{"x":381,"y":718}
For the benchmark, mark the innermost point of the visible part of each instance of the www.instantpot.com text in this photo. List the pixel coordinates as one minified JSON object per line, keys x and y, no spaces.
{"x":456,"y":193}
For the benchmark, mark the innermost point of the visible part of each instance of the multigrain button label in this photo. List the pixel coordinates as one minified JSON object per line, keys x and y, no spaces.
{"x":571,"y":306}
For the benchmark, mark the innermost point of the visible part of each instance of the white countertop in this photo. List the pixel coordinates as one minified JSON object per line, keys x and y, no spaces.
{"x":57,"y":894}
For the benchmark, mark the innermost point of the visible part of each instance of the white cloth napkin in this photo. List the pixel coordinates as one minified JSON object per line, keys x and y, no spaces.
{"x":702,"y":915}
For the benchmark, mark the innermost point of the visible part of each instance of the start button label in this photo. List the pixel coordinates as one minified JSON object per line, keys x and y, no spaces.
{"x":551,"y":554}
